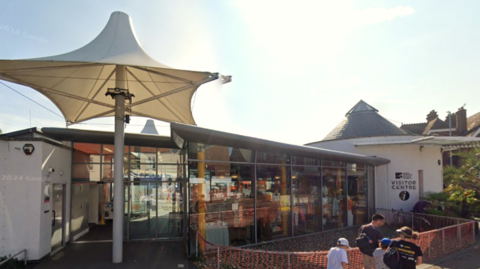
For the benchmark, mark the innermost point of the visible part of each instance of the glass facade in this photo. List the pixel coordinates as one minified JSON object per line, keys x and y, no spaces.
{"x":155,"y":186}
{"x":232,"y":196}
{"x":266,"y":196}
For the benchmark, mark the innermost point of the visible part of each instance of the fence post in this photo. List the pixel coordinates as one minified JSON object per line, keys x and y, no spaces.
{"x":25,"y":257}
{"x":473,"y":233}
{"x":459,"y":235}
{"x":413,"y":216}
{"x":196,"y":244}
{"x":429,"y":246}
{"x":443,"y":240}
{"x":289,"y":266}
{"x":218,"y":257}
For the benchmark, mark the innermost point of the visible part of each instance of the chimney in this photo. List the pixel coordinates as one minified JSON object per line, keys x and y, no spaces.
{"x":461,"y":121}
{"x":432,"y":115}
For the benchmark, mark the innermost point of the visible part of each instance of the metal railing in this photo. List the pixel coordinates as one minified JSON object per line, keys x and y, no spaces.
{"x":11,"y":257}
{"x":442,"y":235}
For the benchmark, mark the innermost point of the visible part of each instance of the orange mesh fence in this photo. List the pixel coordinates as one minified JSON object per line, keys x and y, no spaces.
{"x":434,"y":244}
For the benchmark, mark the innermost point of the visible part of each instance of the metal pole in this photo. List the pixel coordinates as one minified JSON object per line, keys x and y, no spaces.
{"x":429,"y":246}
{"x":119,"y":195}
{"x":413,"y":217}
{"x":289,"y":266}
{"x":218,"y":257}
{"x":473,"y":230}
{"x":450,"y":132}
{"x":443,"y":240}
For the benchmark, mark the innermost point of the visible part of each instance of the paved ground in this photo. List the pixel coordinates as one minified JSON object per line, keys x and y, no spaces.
{"x":94,"y":250}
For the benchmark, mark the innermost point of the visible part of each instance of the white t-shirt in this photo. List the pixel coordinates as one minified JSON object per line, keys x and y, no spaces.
{"x":335,"y":258}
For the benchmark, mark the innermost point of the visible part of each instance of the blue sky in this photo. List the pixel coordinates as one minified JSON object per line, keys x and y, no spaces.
{"x":297,"y":66}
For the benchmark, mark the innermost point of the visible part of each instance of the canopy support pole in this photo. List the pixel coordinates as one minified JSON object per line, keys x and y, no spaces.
{"x":119,"y":193}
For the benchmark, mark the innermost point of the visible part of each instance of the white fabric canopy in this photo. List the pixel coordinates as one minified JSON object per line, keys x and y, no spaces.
{"x":76,"y":82}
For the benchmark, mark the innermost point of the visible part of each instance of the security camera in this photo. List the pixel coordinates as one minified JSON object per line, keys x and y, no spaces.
{"x":51,"y":170}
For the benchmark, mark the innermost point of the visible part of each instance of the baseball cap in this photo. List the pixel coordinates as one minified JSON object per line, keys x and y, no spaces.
{"x":343,"y":242}
{"x":386,"y":241}
{"x":406,"y":231}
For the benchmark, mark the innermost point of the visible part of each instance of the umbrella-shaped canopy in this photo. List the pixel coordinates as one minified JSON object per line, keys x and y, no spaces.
{"x":113,"y":63}
{"x":76,"y":82}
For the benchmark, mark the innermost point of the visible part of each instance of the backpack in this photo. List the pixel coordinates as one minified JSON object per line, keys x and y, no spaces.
{"x":391,"y":258}
{"x":363,"y":243}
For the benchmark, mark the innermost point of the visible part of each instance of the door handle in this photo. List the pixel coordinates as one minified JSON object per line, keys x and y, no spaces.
{"x":53,"y":220}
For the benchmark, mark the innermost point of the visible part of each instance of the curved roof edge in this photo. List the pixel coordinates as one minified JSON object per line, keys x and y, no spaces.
{"x":183,"y":132}
{"x":103,"y":137}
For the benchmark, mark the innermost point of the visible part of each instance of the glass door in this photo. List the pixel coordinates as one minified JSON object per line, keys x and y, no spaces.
{"x":170,"y":197}
{"x":143,"y":207}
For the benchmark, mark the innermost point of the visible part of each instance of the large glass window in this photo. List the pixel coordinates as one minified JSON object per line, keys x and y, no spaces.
{"x":273,"y":190}
{"x":268,"y":157}
{"x":198,"y":151}
{"x":86,"y":153}
{"x":307,"y":210}
{"x":334,"y":198}
{"x":357,"y":210}
{"x":86,"y":172}
{"x":222,"y":202}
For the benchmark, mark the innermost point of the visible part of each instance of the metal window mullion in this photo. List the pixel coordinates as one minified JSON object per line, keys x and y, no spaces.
{"x":101,"y":162}
{"x":129,"y":196}
{"x":156,"y":193}
{"x":321,"y":200}
{"x":255,"y":222}
{"x":72,"y":167}
{"x":346,"y":195}
{"x":291,"y":202}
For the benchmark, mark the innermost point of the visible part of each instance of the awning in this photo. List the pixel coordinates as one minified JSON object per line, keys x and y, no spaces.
{"x":183,"y":132}
{"x":102,"y":137}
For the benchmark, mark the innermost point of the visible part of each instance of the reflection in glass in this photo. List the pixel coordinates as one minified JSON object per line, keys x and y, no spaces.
{"x":140,"y":172}
{"x":221,"y":202}
{"x":169,"y":206}
{"x":357,"y":211}
{"x":86,"y":153}
{"x":142,"y":212}
{"x":273,"y":202}
{"x":267,"y":157}
{"x":334,"y":198}
{"x":219,"y":153}
{"x":86,"y":172}
{"x":108,"y":153}
{"x":171,"y":156}
{"x":142,"y":155}
{"x":305,"y":161}
{"x":307,"y":211}
{"x":333,"y":163}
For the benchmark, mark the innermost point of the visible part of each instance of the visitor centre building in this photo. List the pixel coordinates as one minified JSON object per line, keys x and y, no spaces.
{"x":234,"y":190}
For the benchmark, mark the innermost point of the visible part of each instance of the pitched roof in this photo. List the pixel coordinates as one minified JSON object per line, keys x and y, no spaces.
{"x":473,"y":121}
{"x":435,"y":124}
{"x":415,"y":128}
{"x":363,"y":121}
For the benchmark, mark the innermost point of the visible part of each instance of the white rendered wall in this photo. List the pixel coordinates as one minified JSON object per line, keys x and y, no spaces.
{"x":404,"y":159}
{"x":24,"y":225}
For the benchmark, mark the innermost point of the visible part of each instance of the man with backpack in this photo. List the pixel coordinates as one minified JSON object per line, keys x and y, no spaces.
{"x":369,"y":239}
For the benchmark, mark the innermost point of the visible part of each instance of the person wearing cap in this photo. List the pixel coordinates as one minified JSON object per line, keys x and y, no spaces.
{"x":379,"y":252}
{"x":410,"y":253}
{"x":337,"y":256}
